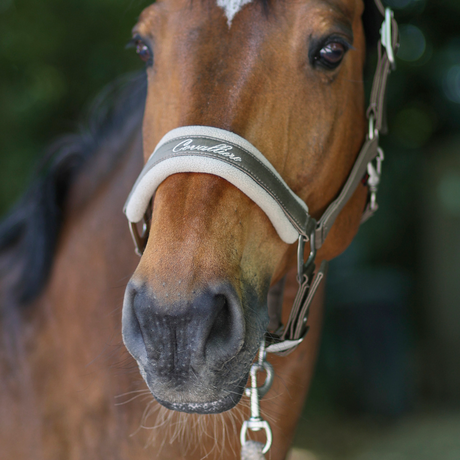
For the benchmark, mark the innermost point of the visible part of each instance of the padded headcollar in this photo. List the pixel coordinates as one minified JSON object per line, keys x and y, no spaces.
{"x":203,"y":149}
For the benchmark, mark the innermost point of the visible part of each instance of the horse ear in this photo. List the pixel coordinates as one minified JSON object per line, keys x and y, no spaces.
{"x":372,"y":20}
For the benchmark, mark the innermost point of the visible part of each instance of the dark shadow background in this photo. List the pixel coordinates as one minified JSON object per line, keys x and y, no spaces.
{"x":391,"y":346}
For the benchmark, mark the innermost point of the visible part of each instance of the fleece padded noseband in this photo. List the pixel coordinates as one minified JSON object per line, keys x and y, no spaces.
{"x":203,"y":149}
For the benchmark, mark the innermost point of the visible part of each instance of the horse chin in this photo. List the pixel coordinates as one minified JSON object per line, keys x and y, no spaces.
{"x":208,"y":395}
{"x":213,"y":407}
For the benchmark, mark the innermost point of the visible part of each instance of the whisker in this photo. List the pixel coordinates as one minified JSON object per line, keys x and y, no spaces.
{"x":132,"y":399}
{"x":132,"y":392}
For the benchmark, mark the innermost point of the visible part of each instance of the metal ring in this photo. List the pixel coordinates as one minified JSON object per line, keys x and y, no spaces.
{"x":263,"y":390}
{"x":257,"y":425}
{"x":140,"y":239}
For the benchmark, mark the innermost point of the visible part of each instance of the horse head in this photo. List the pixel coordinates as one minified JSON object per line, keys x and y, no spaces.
{"x":287,"y":77}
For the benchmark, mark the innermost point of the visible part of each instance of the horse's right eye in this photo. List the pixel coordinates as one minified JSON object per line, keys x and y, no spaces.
{"x":144,"y":52}
{"x":142,"y":49}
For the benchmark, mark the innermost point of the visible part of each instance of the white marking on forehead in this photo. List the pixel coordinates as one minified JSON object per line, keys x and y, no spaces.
{"x":231,"y":7}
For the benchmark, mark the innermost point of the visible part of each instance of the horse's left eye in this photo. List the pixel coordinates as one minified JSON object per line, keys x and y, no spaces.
{"x":331,"y":55}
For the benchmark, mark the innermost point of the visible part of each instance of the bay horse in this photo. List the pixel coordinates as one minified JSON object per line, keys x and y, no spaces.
{"x":280,"y":77}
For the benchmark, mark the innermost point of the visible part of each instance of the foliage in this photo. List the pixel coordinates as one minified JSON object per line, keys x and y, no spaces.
{"x":54,"y":58}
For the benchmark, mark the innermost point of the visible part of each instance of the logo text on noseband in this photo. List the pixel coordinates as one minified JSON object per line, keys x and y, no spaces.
{"x":220,"y":149}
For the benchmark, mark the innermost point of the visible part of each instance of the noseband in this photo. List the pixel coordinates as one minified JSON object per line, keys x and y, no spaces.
{"x":203,"y":149}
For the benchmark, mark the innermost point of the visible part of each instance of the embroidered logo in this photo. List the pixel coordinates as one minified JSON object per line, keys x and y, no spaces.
{"x":220,"y":149}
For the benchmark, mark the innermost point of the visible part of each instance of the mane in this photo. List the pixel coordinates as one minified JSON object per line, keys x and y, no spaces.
{"x":29,"y":233}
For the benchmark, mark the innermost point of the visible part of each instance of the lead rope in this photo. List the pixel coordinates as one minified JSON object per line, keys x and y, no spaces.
{"x":253,"y":450}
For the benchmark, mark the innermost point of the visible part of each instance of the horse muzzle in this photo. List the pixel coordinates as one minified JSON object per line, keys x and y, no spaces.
{"x":190,"y":349}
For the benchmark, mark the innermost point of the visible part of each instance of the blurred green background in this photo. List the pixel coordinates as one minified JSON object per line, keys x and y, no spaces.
{"x":55,"y":57}
{"x":388,"y":378}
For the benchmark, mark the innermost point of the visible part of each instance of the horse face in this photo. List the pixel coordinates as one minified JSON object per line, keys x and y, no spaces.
{"x":287,"y":76}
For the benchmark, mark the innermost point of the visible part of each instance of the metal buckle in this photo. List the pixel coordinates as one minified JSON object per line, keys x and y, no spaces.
{"x":386,"y":34}
{"x":301,"y":266}
{"x":279,"y":347}
{"x":279,"y":342}
{"x":374,"y":178}
{"x":373,"y":132}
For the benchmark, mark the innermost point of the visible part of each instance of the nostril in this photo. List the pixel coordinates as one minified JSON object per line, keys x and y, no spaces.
{"x":221,"y":329}
{"x":131,"y":329}
{"x":226,"y":335}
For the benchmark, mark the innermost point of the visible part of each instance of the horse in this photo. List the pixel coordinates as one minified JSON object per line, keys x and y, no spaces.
{"x":282,"y":78}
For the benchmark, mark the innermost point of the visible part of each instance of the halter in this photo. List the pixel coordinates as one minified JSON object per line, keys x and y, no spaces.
{"x":203,"y":149}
